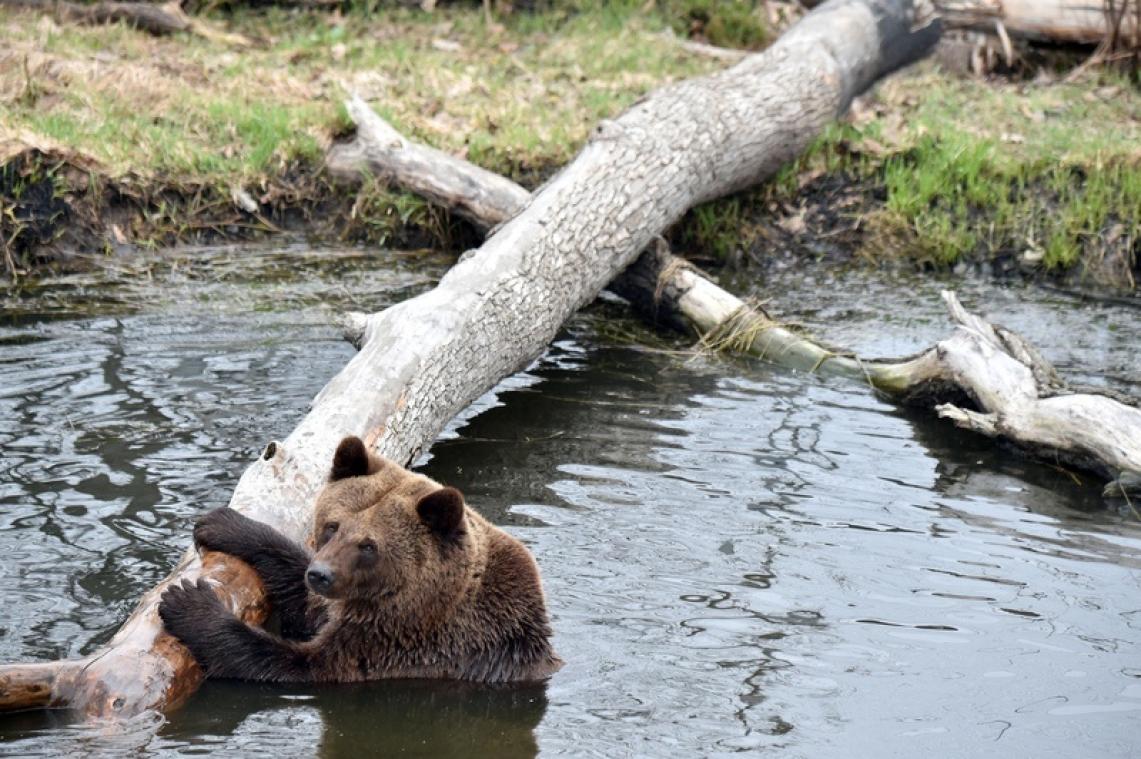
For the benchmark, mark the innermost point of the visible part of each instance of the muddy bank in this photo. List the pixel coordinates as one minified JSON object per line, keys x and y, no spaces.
{"x":112,"y":137}
{"x":844,"y":219}
{"x":62,"y":213}
{"x":113,"y":140}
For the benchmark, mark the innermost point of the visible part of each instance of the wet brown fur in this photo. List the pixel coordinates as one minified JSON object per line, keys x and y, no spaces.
{"x":412,"y":583}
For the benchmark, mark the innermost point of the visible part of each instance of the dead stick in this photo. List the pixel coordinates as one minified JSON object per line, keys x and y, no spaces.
{"x":156,"y":19}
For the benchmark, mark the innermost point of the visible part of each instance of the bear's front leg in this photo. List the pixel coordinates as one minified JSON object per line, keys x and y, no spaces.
{"x":279,"y":562}
{"x":223,"y":645}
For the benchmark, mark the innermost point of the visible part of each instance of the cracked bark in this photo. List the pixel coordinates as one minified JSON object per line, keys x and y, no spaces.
{"x":425,"y":359}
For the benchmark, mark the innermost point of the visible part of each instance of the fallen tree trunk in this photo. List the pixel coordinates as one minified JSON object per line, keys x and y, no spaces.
{"x":1087,"y":22}
{"x":1083,"y":22}
{"x":425,"y":359}
{"x":159,"y":20}
{"x":1012,"y":392}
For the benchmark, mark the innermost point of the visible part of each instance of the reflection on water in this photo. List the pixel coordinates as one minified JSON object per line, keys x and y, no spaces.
{"x":426,"y":719}
{"x":402,"y":718}
{"x":735,"y":558}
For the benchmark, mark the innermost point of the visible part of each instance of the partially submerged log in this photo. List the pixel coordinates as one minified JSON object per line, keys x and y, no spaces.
{"x":425,"y":359}
{"x":157,"y":19}
{"x":141,"y":662}
{"x":1013,"y":393}
{"x":1018,"y":396}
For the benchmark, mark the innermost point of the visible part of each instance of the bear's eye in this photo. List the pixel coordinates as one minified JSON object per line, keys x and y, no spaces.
{"x":368,"y":548}
{"x":329,"y":531}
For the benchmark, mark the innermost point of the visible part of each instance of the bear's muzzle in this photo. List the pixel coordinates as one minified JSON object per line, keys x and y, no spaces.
{"x":319,"y":578}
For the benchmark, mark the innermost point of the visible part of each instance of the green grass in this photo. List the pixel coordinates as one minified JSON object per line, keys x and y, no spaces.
{"x":163,"y":118}
{"x":728,"y":24}
{"x":968,"y":168}
{"x":519,"y":96}
{"x":977,"y":169}
{"x":716,"y":229}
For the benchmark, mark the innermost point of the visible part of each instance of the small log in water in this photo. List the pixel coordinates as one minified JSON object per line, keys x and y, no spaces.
{"x":1013,"y":392}
{"x":427,"y":358}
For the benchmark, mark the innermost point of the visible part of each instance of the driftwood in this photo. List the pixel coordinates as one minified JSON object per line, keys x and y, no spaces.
{"x":159,"y":20}
{"x":425,"y":359}
{"x":1013,"y":393}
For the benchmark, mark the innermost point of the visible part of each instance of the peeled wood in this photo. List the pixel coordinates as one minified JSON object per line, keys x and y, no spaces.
{"x":1016,"y":394}
{"x":141,"y":661}
{"x":425,"y":359}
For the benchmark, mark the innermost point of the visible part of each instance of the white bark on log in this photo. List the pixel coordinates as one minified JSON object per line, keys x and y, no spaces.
{"x":1084,"y":22}
{"x":683,"y":297}
{"x":1079,"y":21}
{"x":1019,"y":396}
{"x":427,"y":358}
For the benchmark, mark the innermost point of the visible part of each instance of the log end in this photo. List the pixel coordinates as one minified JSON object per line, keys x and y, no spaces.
{"x":143,"y":667}
{"x":986,"y":424}
{"x":353,"y":326}
{"x":30,"y":686}
{"x":1126,"y":487}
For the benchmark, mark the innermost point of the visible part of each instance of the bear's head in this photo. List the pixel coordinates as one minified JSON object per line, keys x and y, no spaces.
{"x":387,"y":536}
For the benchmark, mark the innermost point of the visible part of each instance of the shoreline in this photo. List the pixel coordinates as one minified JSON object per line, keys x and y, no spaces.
{"x":115,"y":140}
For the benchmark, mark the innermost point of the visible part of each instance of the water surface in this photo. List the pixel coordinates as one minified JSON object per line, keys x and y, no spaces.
{"x":736,"y":558}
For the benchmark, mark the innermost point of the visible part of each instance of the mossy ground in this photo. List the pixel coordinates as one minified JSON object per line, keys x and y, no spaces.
{"x":944,"y":170}
{"x":153,"y":140}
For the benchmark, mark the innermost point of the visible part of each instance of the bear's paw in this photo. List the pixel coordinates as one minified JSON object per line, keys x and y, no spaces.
{"x":188,"y":607}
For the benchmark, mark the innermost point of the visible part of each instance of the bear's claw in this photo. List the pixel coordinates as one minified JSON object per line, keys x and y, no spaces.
{"x":216,"y":531}
{"x":185,"y":607}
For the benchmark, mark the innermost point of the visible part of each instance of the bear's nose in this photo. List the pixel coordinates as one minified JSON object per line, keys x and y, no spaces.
{"x":319,"y":577}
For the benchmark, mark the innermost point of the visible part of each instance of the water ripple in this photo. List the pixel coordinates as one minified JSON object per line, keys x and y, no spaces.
{"x":737,"y":559}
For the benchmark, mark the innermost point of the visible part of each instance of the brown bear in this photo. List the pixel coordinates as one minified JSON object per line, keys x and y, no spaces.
{"x":406,"y":581}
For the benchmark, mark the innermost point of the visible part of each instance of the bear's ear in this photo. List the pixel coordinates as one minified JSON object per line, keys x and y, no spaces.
{"x":350,"y":460}
{"x":442,"y":510}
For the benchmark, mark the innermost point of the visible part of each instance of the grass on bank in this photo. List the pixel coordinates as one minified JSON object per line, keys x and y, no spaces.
{"x":1045,"y":171}
{"x":182,"y":122}
{"x":953,"y":167}
{"x":516,"y":97}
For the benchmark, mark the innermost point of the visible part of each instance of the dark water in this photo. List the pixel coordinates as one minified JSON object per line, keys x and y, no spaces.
{"x":736,"y":558}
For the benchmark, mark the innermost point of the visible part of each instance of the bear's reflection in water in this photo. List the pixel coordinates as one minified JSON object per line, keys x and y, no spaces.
{"x":384,"y":718}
